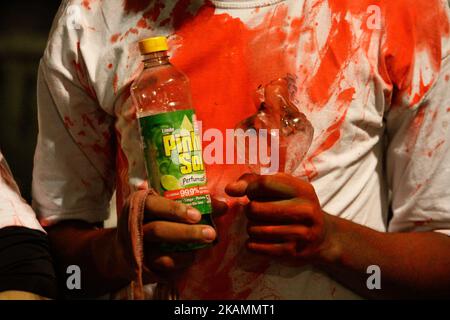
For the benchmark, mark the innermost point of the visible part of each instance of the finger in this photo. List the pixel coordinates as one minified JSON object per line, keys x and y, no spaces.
{"x":171,"y":262}
{"x":239,"y":187}
{"x":172,"y":232}
{"x":294,"y":211}
{"x":279,"y":186}
{"x":272,"y":249}
{"x":278,"y":233}
{"x":219,"y":207}
{"x":158,"y":207}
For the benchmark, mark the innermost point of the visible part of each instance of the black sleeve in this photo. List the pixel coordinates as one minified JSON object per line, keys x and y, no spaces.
{"x":25,"y":262}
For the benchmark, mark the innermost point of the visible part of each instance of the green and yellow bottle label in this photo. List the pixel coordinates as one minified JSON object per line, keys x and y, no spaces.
{"x":173,"y":155}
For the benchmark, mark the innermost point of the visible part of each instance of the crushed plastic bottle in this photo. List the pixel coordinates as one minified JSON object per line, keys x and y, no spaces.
{"x":284,"y":134}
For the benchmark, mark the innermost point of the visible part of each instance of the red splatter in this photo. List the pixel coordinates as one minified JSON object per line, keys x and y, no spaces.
{"x":142,"y":23}
{"x":87,"y":121}
{"x":115,"y":83}
{"x":233,"y":51}
{"x":415,"y":128}
{"x":81,"y":74}
{"x":296,"y":27}
{"x":131,"y":6}
{"x":68,"y":122}
{"x":154,"y":12}
{"x":86,"y":4}
{"x":165,"y":22}
{"x":101,"y":149}
{"x":432,"y":151}
{"x":423,"y":89}
{"x":82,"y":133}
{"x":180,"y":14}
{"x":115,"y":37}
{"x":332,"y":135}
{"x":110,"y":66}
{"x":447,"y":77}
{"x":337,"y":52}
{"x":423,"y":222}
{"x":345,"y":97}
{"x":406,"y":31}
{"x":250,"y":57}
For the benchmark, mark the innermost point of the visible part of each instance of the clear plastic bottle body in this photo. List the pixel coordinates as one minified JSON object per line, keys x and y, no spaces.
{"x":170,"y":138}
{"x":160,"y":87}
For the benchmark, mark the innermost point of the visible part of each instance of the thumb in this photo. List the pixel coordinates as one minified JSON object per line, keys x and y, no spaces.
{"x":239,"y":187}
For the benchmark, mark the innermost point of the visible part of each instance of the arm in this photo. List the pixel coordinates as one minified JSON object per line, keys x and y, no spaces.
{"x":108,"y":258}
{"x":413,"y":265}
{"x":286,"y":222}
{"x":78,"y":243}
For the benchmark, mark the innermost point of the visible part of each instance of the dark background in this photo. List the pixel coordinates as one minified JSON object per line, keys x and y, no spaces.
{"x":24,"y":28}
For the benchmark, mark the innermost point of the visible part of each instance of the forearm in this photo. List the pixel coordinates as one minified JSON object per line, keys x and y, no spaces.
{"x":103,"y":264}
{"x":412,"y":265}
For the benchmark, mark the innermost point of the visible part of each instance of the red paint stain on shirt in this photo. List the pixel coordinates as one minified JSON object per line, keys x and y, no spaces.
{"x":68,"y":123}
{"x":87,"y":121}
{"x":423,"y":222}
{"x":101,"y":149}
{"x":226,"y":74}
{"x":414,"y":128}
{"x":153,"y":13}
{"x":435,"y":148}
{"x":115,"y":37}
{"x":86,"y":4}
{"x":142,"y":23}
{"x":131,"y":6}
{"x":345,"y":97}
{"x":110,"y":66}
{"x":422,"y":90}
{"x":336,"y":54}
{"x":405,"y":32}
{"x":80,"y":69}
{"x":331,"y":137}
{"x":115,"y":83}
{"x":180,"y":13}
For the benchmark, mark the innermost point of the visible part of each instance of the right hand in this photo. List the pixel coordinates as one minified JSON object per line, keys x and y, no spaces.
{"x":168,"y":221}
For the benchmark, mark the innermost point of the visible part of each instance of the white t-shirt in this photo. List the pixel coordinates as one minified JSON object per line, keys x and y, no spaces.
{"x":14,"y":211}
{"x":372,"y":80}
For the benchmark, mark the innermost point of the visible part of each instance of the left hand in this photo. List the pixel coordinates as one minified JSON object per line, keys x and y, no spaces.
{"x":285,"y":216}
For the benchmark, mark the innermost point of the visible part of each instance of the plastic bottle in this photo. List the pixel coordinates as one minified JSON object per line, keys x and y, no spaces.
{"x":170,"y":138}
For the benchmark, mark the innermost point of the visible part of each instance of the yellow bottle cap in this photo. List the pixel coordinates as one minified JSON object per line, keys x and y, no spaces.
{"x":154,"y":44}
